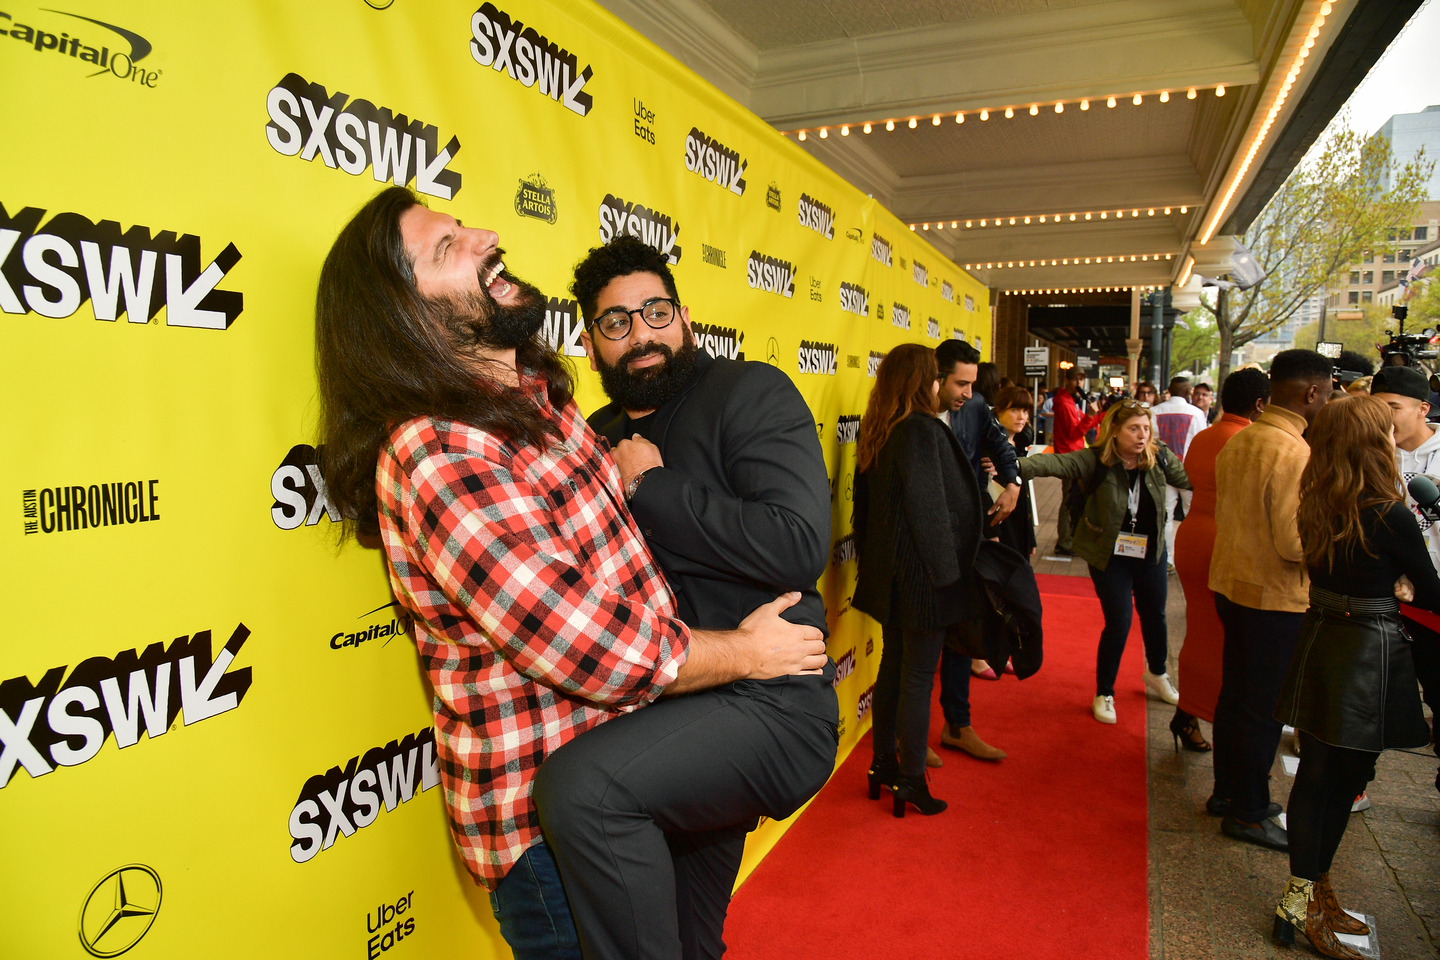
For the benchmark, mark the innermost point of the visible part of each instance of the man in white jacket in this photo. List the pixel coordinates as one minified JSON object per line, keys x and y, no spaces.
{"x":1177,"y":421}
{"x":1417,"y":451}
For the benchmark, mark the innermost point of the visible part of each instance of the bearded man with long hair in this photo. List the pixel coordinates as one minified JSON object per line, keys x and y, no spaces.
{"x":450,"y":431}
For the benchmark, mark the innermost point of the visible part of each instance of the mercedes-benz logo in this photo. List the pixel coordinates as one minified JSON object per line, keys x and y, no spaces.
{"x":119,"y":910}
{"x":772,"y":351}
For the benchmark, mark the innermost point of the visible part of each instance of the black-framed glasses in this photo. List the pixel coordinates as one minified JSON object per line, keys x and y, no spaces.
{"x":657,"y":312}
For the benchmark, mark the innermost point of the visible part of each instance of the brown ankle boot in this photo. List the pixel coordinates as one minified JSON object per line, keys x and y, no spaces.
{"x":965,"y":738}
{"x":1300,"y":907}
{"x":1335,"y":916}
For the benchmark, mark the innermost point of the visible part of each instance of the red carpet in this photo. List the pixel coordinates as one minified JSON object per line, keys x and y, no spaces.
{"x":1043,"y":854}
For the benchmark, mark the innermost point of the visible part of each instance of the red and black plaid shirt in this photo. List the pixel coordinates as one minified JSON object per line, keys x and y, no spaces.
{"x":538,"y":610}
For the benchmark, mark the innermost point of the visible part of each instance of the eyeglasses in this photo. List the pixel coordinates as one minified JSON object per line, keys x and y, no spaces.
{"x":657,"y":314}
{"x":1132,"y":402}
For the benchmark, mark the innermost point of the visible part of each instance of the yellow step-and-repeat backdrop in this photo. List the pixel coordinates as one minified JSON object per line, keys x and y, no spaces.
{"x":214,"y":733}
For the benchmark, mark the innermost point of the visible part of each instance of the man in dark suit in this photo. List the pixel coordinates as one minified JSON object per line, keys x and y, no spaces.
{"x":722,"y":470}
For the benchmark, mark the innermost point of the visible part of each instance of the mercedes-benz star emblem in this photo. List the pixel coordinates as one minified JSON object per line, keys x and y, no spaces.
{"x":772,"y":349}
{"x":120,"y":910}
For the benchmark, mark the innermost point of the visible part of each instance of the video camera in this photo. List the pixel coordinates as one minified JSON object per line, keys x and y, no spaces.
{"x":1409,"y":349}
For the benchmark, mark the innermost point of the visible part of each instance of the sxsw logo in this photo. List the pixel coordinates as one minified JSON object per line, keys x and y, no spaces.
{"x":880,"y":249}
{"x":719,"y":341}
{"x":563,"y":327}
{"x":969,"y":303}
{"x":816,"y":216}
{"x":844,"y":666}
{"x":771,"y":274}
{"x":932,"y":329}
{"x":65,"y":720}
{"x":863,"y":704}
{"x":55,"y":270}
{"x":920,"y":273}
{"x":900,"y":316}
{"x":301,"y":497}
{"x":873,"y":364}
{"x":847,"y":430}
{"x":308,"y":121}
{"x":619,"y":218}
{"x":947,"y":291}
{"x":855,"y":299}
{"x":343,"y":800}
{"x":715,"y":162}
{"x":817,"y":358}
{"x":844,"y":550}
{"x":529,"y":58}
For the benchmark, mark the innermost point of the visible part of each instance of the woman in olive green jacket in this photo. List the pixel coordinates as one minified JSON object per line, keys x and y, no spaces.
{"x":1120,"y":534}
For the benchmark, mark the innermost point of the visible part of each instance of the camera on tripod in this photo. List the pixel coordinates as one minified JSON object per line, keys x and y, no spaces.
{"x":1409,"y":349}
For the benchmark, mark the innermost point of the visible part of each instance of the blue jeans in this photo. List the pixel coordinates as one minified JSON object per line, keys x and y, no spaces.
{"x":1128,"y":585}
{"x":532,"y":910}
{"x":955,"y":688}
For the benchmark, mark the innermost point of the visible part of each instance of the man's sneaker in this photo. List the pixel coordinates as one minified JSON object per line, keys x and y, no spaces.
{"x":1104,"y":709}
{"x":1362,"y":802}
{"x":1161,"y":686}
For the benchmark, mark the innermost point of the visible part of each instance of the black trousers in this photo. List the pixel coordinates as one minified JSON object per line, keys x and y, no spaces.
{"x":900,"y":710}
{"x":646,"y":815}
{"x":1426,"y":652}
{"x":1326,"y":785}
{"x":1258,"y":646}
{"x":1126,"y":585}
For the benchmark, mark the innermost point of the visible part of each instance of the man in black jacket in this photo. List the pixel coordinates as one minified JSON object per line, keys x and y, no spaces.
{"x":722,"y":469}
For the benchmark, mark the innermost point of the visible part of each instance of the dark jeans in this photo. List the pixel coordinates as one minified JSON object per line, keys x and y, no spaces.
{"x":1426,"y":652}
{"x":530,"y":905}
{"x":1326,"y":785}
{"x":954,"y":688}
{"x":1128,"y":585}
{"x":1063,"y":533}
{"x":1258,"y":647}
{"x":900,"y":710}
{"x":646,"y":814}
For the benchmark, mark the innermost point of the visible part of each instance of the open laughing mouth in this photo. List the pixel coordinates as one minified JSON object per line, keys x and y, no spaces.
{"x":493,"y":281}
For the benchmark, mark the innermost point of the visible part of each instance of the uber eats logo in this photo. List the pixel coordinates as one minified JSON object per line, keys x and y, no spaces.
{"x":619,"y":218}
{"x":880,"y":249}
{"x":308,"y":121}
{"x":298,"y":487}
{"x":563,"y":327}
{"x":715,"y":162}
{"x":719,"y":341}
{"x":771,"y":274}
{"x":342,"y":800}
{"x":817,"y":357}
{"x":55,"y":270}
{"x":530,"y":58}
{"x":855,"y":299}
{"x":65,"y":720}
{"x":817,"y":216}
{"x":121,"y":63}
{"x":900,"y":316}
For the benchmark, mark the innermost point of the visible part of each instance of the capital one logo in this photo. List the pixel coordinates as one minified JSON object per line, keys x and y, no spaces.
{"x":301,"y":497}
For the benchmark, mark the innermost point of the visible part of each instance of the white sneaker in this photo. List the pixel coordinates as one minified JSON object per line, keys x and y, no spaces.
{"x":1362,"y":802}
{"x":1161,"y":686}
{"x":1104,"y":709}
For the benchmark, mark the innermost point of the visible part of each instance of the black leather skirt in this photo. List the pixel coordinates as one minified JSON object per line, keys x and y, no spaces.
{"x":1352,"y":680}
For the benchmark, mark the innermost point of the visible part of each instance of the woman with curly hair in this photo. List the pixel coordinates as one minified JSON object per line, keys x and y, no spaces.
{"x":1351,"y":690}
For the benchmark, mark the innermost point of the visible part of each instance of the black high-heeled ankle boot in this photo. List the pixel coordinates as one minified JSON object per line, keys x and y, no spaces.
{"x":916,"y":791}
{"x":1187,"y":732}
{"x":883,"y":772}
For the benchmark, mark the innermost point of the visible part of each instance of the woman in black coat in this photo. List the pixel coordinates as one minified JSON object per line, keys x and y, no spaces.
{"x":917,"y":530}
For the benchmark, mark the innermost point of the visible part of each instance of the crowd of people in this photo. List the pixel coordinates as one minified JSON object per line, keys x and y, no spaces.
{"x":619,"y":615}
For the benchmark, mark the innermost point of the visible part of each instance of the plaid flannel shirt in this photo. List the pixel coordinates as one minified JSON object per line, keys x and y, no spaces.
{"x":539,"y":612}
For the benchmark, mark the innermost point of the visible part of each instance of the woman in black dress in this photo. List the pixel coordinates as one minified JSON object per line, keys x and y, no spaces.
{"x":1013,"y":407}
{"x":1351,"y":691}
{"x":917,"y":530}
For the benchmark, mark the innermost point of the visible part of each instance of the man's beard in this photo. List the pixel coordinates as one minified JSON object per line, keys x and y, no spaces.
{"x":650,"y":387}
{"x":475,"y":320}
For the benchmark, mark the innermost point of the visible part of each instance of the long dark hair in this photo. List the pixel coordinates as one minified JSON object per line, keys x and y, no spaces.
{"x":381,"y":357}
{"x":1351,"y":470}
{"x":904,"y":383}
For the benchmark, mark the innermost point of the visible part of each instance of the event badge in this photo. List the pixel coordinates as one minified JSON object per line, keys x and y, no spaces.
{"x":1131,"y":545}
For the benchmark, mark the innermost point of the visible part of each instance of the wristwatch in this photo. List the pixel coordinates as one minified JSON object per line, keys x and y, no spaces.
{"x":634,"y":485}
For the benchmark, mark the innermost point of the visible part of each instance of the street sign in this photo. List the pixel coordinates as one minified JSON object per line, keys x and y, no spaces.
{"x":1089,"y":363}
{"x":1329,"y":349}
{"x":1037,"y":362}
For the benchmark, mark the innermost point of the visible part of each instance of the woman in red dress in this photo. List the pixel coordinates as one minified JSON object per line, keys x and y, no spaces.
{"x":1242,"y":397}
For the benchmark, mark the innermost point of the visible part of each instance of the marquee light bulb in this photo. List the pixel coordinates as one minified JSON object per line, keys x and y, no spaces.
{"x":1184,"y":209}
{"x":912,"y":123}
{"x":1137,"y":99}
{"x":844,"y":130}
{"x":959,"y":118}
{"x":967,"y":224}
{"x":1034,"y":109}
{"x":1009,"y":112}
{"x":824,"y":133}
{"x":1110,"y":101}
{"x":1084,"y":104}
{"x":1103,"y":215}
{"x":1167,"y":211}
{"x":1151,"y":213}
{"x":984,"y":114}
{"x":1042,"y":218}
{"x":1164,"y":96}
{"x":802,"y":134}
{"x":982,"y":223}
{"x":1220,"y":90}
{"x":1027,"y":219}
{"x":940,"y":226}
{"x":1136,"y":213}
{"x":889,"y":124}
{"x":1012,"y":221}
{"x":954,"y":224}
{"x":926,"y":227}
{"x":1059,"y":107}
{"x":867,"y":126}
{"x":1190,"y":94}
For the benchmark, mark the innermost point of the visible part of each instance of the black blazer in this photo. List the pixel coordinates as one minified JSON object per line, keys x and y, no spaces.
{"x":740,"y":513}
{"x":917,"y":529}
